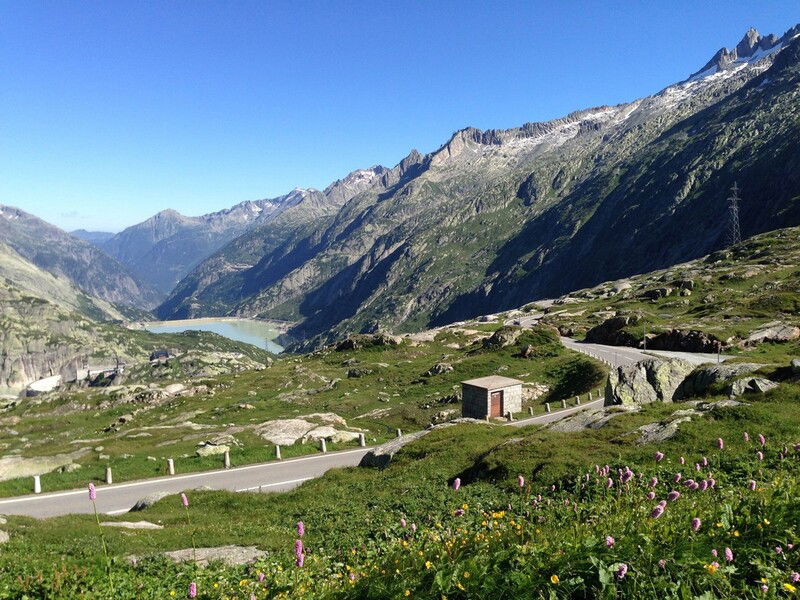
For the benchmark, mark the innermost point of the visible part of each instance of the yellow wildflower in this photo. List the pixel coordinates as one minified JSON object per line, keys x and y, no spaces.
{"x":554,"y":579}
{"x":466,"y":574}
{"x":711,"y":568}
{"x":736,"y":533}
{"x":789,"y":588}
{"x":766,"y":522}
{"x":408,"y":593}
{"x":428,"y":564}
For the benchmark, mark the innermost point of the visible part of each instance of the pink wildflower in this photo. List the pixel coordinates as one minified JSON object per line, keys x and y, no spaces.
{"x":459,"y":512}
{"x":651,"y":495}
{"x":184,"y":500}
{"x":673,"y":496}
{"x":751,"y":485}
{"x":193,"y":590}
{"x":609,"y":483}
{"x":622,"y":570}
{"x":677,"y":477}
{"x":704,"y":461}
{"x":703,"y":485}
{"x":778,"y":550}
{"x":261,"y":576}
{"x":610,"y":541}
{"x":657,"y":511}
{"x":720,"y":444}
{"x":794,"y":577}
{"x":653,"y":482}
{"x":92,"y":492}
{"x":301,"y":529}
{"x":662,"y":563}
{"x":456,"y":483}
{"x":403,"y":523}
{"x":414,"y":527}
{"x":762,"y":440}
{"x":760,"y":455}
{"x":521,"y":481}
{"x":764,"y":588}
{"x":746,"y":436}
{"x":714,"y":553}
{"x":728,"y":555}
{"x":659,"y":456}
{"x":696,"y":523}
{"x":683,"y":460}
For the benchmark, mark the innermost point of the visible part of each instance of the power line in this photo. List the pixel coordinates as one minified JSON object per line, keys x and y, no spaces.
{"x":734,"y":232}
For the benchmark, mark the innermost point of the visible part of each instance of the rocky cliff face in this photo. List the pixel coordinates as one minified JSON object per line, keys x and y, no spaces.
{"x":494,"y":219}
{"x":61,"y":254}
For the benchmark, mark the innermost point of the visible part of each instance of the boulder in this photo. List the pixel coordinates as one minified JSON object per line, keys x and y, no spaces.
{"x":657,"y":293}
{"x":358,"y":372}
{"x":211,"y":449}
{"x":174,"y":388}
{"x":705,"y":377}
{"x":505,"y":336}
{"x":611,"y":331}
{"x":773,"y":332}
{"x":284,"y":432}
{"x":4,"y":537}
{"x":231,"y":556}
{"x":12,"y":467}
{"x":654,"y":433}
{"x":684,"y":341}
{"x":750,"y":385}
{"x":650,"y":380}
{"x":438,"y":369}
{"x":795,"y":366}
{"x":148,"y":501}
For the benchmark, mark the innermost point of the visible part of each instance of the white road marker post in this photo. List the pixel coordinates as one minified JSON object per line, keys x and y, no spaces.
{"x":362,"y":440}
{"x":37,"y":484}
{"x":109,"y":478}
{"x":278,"y":452}
{"x":323,"y":446}
{"x":226,"y":459}
{"x":170,"y":466}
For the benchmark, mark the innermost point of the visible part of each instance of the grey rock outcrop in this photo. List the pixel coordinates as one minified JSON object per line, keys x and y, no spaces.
{"x":750,"y":385}
{"x":438,"y":369}
{"x":505,"y":336}
{"x":774,"y":332}
{"x":148,"y":501}
{"x":795,"y":366}
{"x":231,"y":556}
{"x":611,"y":331}
{"x":650,"y":380}
{"x":131,"y":524}
{"x":704,"y":378}
{"x":684,"y":341}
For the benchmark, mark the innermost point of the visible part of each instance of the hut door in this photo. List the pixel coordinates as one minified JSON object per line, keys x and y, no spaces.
{"x":497,"y":404}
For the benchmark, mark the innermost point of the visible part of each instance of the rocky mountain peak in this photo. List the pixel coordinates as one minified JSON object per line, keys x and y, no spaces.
{"x":752,"y":47}
{"x":749,"y":43}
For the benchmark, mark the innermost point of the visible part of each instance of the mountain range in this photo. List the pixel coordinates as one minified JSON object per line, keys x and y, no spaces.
{"x":493,"y":219}
{"x":489,"y":221}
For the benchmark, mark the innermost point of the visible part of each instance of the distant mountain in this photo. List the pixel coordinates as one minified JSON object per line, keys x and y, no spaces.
{"x":93,"y":237}
{"x":166,"y":247}
{"x":82,"y":263}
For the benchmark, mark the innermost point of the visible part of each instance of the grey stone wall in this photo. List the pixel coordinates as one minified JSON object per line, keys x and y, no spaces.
{"x":474,"y":402}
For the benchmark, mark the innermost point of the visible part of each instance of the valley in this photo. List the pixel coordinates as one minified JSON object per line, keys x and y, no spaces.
{"x":559,"y":360}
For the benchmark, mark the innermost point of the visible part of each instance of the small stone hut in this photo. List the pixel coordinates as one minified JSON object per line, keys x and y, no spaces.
{"x":492,"y":396}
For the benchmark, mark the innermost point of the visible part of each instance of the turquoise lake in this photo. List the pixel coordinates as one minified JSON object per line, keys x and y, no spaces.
{"x":252,"y":332}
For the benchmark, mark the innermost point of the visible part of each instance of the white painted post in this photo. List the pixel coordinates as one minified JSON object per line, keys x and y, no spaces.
{"x":226,"y":459}
{"x":510,"y":416}
{"x":399,"y":433}
{"x":37,"y":484}
{"x":278,"y":452}
{"x":362,"y":440}
{"x":590,"y":396}
{"x":530,"y":410}
{"x":323,"y":446}
{"x":563,"y":404}
{"x":170,"y":466}
{"x":546,"y":407}
{"x":577,"y":400}
{"x":109,"y":479}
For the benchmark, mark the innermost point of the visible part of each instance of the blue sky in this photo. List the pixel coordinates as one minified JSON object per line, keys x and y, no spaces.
{"x":110,"y":112}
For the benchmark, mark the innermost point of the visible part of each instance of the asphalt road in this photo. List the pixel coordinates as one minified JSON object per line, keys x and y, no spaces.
{"x":274,"y":476}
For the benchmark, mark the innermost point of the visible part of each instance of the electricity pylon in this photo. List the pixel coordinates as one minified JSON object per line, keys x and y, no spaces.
{"x":734,"y":232}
